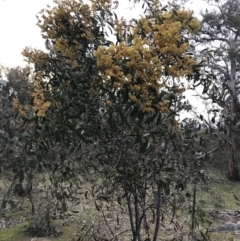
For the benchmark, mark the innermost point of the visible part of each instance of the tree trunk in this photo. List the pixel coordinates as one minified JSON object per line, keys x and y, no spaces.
{"x":233,"y":132}
{"x":234,"y":156}
{"x":234,"y":143}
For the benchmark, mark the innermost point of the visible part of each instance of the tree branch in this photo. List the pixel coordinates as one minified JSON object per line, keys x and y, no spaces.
{"x":209,"y":152}
{"x":214,"y":66}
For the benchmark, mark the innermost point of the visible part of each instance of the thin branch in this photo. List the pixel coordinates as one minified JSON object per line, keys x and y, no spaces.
{"x":156,"y":231}
{"x":121,"y":141}
{"x":107,"y":224}
{"x":137,"y":219}
{"x":217,"y":67}
{"x":130,"y":212}
{"x":209,"y":152}
{"x":193,"y":211}
{"x":214,"y":38}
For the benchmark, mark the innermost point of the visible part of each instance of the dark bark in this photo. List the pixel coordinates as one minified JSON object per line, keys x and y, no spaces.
{"x":233,"y":173}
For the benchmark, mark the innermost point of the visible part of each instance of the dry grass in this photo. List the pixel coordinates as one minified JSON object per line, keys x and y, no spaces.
{"x":214,"y":203}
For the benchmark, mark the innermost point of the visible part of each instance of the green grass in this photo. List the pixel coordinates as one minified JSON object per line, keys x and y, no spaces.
{"x":11,"y":234}
{"x":220,"y":194}
{"x":220,"y":197}
{"x":68,"y":233}
{"x":224,"y":237}
{"x":15,"y":233}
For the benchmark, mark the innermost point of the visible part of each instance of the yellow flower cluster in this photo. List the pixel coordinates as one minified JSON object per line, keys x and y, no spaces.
{"x":63,"y":18}
{"x":15,"y":103}
{"x":40,"y":106}
{"x":22,"y":110}
{"x":35,"y":56}
{"x":186,"y":18}
{"x":66,"y":50}
{"x":109,"y":103}
{"x":172,"y":124}
{"x":163,"y":106}
{"x":138,"y":58}
{"x":141,"y":65}
{"x":176,"y":125}
{"x":121,"y":27}
{"x":104,"y":4}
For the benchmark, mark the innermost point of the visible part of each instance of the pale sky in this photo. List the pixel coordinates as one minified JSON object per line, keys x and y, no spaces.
{"x":18,"y":29}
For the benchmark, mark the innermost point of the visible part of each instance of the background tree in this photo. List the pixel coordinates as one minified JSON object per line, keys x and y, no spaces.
{"x":220,"y":34}
{"x":13,"y":132}
{"x":18,"y":79}
{"x":22,"y":160}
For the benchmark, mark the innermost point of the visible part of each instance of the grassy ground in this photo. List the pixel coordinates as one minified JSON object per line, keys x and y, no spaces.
{"x":222,"y":200}
{"x":216,"y":204}
{"x":15,"y":233}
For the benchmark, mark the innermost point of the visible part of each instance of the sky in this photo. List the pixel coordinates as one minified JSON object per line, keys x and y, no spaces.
{"x":18,"y":29}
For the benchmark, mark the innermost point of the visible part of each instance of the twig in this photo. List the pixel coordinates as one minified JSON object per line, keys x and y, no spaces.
{"x":121,"y":141}
{"x":193,"y":212}
{"x":105,"y":220}
{"x":207,"y":153}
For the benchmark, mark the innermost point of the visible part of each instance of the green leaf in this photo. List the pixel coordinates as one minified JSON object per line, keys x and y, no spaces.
{"x":121,"y":114}
{"x":20,"y":176}
{"x":144,"y":147}
{"x":151,"y":118}
{"x":134,"y":111}
{"x":173,"y":136}
{"x":167,"y":169}
{"x":110,"y":23}
{"x":180,"y":186}
{"x":175,"y":12}
{"x":74,"y":211}
{"x":4,"y":204}
{"x":18,"y":189}
{"x":125,"y":96}
{"x":146,"y":177}
{"x":159,"y":120}
{"x":12,"y":204}
{"x":57,"y":136}
{"x":97,"y":207}
{"x":140,"y":117}
{"x":111,"y":121}
{"x":138,"y":138}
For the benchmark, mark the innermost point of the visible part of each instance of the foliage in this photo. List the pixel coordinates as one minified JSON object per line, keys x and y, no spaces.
{"x":13,"y":155}
{"x":23,"y":164}
{"x":41,"y":228}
